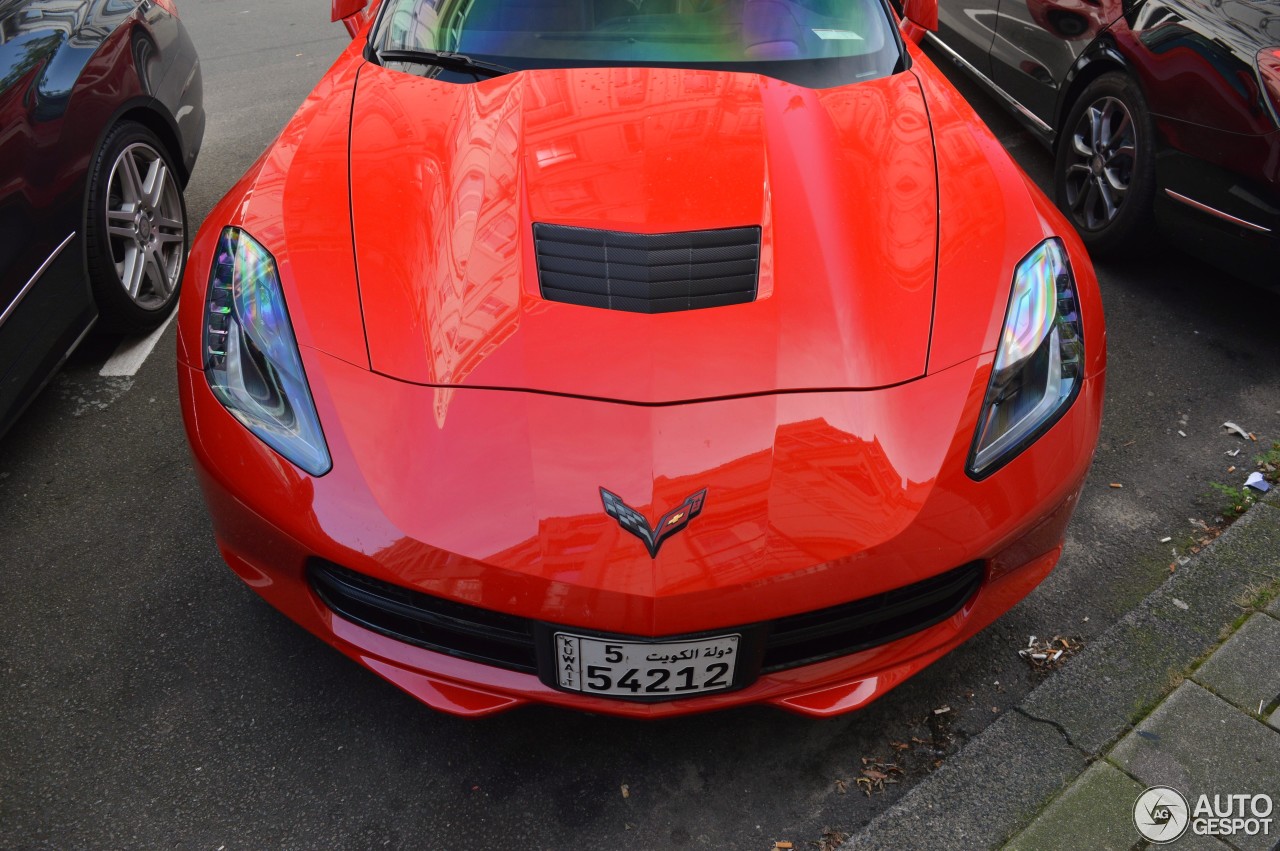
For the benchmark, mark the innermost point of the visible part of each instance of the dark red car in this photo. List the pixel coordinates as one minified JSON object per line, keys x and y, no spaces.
{"x":101,"y":118}
{"x":1160,"y":112}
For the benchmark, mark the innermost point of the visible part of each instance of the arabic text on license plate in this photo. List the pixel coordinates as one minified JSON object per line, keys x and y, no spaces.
{"x":633,"y":669}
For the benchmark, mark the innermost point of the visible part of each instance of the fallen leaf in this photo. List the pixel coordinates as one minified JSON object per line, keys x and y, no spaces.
{"x":842,"y":786}
{"x":626,"y":791}
{"x":899,"y":746}
{"x":831,"y":839}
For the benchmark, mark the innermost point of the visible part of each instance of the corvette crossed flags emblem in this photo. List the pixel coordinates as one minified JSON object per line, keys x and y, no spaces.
{"x":635,"y":523}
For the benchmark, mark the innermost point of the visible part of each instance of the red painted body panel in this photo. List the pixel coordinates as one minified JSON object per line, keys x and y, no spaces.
{"x":469,"y":447}
{"x":303,"y":213}
{"x":449,"y":284}
{"x":763,"y":547}
{"x":991,"y":215}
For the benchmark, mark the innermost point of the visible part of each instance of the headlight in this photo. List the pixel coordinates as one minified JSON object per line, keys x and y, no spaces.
{"x":1039,"y":362}
{"x":251,"y":357}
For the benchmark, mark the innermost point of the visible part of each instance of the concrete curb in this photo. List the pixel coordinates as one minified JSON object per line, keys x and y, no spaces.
{"x":995,"y":786}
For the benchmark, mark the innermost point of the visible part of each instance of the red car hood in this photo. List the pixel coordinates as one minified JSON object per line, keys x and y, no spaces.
{"x":447,"y":182}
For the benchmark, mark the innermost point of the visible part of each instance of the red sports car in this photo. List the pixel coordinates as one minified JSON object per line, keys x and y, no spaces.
{"x":639,"y":356}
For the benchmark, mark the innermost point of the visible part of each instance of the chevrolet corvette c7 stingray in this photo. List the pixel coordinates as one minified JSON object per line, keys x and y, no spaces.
{"x":643,"y":357}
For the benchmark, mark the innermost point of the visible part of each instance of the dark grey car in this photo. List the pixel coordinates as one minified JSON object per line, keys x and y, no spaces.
{"x":101,"y":119}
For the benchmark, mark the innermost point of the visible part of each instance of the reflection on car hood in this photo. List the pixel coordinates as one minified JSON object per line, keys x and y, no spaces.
{"x":447,"y":182}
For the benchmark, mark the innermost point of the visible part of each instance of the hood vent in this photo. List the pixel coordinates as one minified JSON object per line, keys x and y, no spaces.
{"x":647,"y":273}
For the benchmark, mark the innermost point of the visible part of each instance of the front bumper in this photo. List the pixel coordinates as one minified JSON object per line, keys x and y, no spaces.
{"x":490,"y":498}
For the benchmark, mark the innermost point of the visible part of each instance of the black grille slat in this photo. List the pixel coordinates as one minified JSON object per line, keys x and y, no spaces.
{"x":572,"y":266}
{"x":647,"y":273}
{"x":575,"y":297}
{"x":569,"y":281}
{"x":508,"y":641}
{"x":651,"y":291}
{"x":721,"y":253}
{"x":727,"y":285}
{"x":570,"y":250}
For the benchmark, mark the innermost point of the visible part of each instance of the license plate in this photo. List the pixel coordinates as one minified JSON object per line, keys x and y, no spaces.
{"x":636,"y":669}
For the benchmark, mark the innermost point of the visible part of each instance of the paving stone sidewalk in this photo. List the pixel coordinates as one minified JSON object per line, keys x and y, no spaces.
{"x":1157,"y":700}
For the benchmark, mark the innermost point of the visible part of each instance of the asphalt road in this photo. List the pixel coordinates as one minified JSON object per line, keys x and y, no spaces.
{"x":149,"y":699}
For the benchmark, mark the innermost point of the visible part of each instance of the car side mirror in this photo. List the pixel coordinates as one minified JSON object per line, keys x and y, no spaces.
{"x":348,"y":11}
{"x":923,"y":14}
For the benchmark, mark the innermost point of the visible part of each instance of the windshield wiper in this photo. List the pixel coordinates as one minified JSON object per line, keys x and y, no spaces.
{"x":447,"y":60}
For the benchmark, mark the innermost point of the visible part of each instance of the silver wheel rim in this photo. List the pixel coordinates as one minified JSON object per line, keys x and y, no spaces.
{"x":145,"y":226}
{"x":1100,"y":163}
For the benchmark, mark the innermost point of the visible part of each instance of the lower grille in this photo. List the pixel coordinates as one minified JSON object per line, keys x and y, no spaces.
{"x":871,"y":621}
{"x":468,"y":632}
{"x":507,"y":641}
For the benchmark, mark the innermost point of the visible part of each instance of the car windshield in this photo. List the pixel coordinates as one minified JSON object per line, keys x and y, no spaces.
{"x":818,"y":43}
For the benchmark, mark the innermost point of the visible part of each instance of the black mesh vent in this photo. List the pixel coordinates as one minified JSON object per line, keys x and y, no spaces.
{"x":507,"y":641}
{"x":647,"y":273}
{"x":458,"y":629}
{"x":841,"y":630}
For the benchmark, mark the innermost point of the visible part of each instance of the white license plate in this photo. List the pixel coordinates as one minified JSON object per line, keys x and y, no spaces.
{"x":633,"y":669}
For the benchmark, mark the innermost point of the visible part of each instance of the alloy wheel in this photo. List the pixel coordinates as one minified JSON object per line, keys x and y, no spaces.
{"x":1100,"y":163}
{"x":145,"y":225}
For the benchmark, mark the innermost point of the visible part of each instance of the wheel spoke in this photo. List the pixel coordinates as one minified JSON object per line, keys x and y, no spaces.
{"x":1117,"y":186}
{"x":1095,"y":129}
{"x":1126,"y":150}
{"x":1078,"y":168}
{"x":167,"y":238}
{"x":163,"y":221}
{"x":1119,"y":131}
{"x":130,"y":180}
{"x":1080,"y":146}
{"x":1109,"y":204}
{"x":157,"y":176}
{"x":131,"y":273}
{"x":1082,"y":195}
{"x":156,"y":274}
{"x":120,"y":223}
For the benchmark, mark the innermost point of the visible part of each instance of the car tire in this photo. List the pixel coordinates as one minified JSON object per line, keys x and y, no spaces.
{"x":1104,"y":169}
{"x":135,"y":230}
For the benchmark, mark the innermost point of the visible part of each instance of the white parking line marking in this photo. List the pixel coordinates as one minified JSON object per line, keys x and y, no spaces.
{"x":128,"y":357}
